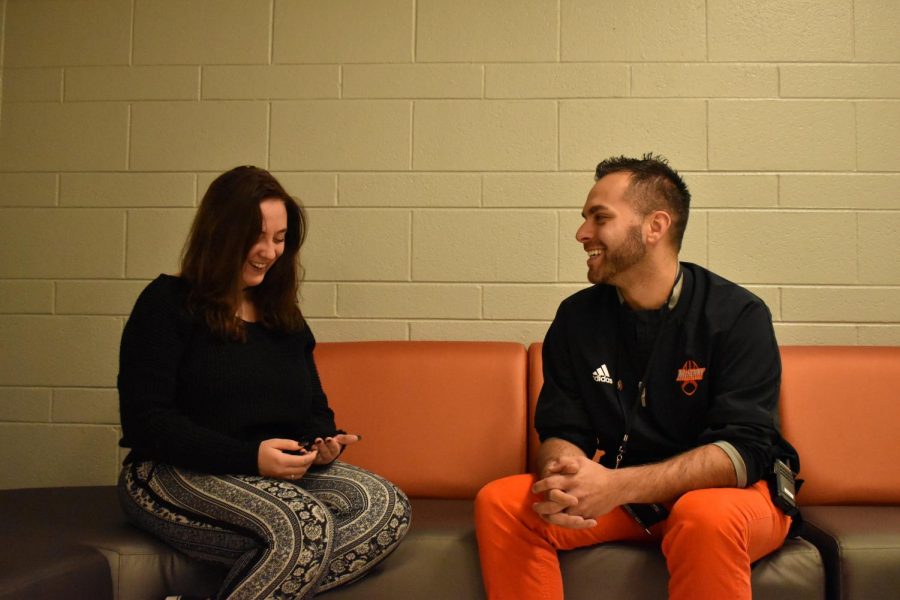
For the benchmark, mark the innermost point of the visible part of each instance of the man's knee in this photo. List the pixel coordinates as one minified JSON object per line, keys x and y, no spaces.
{"x":704,"y":516}
{"x":503,"y":496}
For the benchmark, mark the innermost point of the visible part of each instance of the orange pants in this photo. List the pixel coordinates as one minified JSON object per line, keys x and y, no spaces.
{"x":735,"y":526}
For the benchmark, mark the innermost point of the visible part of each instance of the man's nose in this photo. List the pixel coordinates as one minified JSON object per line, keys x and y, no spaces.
{"x":582,"y":234}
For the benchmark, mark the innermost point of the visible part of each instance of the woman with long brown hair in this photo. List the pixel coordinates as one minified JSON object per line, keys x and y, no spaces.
{"x":233,"y":444}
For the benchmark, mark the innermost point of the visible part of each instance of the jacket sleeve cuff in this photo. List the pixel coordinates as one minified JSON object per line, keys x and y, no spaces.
{"x":740,"y":467}
{"x":584,"y":442}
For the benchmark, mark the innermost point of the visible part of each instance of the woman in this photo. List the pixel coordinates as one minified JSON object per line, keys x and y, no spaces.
{"x":233,"y":445}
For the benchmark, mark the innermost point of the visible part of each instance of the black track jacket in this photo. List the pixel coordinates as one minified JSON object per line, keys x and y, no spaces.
{"x":714,"y":377}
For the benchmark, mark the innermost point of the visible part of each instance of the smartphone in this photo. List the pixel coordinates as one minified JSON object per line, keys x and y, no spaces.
{"x":646,"y":515}
{"x":305,"y":447}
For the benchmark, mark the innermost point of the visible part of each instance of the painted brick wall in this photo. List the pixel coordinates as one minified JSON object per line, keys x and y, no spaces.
{"x":444,"y":149}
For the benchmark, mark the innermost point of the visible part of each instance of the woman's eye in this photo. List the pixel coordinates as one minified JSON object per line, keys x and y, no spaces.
{"x":279,"y":240}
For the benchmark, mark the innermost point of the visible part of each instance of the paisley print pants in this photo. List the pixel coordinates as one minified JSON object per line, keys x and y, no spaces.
{"x":281,"y":539}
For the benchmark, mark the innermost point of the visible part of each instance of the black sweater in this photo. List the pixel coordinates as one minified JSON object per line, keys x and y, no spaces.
{"x":196,"y":401}
{"x":714,"y":377}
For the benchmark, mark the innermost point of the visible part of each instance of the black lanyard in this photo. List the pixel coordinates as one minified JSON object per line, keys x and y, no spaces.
{"x":641,"y":397}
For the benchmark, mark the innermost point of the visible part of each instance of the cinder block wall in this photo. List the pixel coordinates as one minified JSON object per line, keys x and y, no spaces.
{"x":444,"y":148}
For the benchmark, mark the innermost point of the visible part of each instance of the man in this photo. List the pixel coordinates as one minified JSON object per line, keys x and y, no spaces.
{"x":673,"y":373}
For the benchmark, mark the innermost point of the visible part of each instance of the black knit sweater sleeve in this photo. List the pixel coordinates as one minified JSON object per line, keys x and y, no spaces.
{"x":321,"y":417}
{"x":153,"y":345}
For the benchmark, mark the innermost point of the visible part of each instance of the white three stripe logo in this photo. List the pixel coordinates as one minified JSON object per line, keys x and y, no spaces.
{"x":601,"y":375}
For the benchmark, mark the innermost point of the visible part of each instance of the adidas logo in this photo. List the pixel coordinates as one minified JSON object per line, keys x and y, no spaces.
{"x":601,"y":375}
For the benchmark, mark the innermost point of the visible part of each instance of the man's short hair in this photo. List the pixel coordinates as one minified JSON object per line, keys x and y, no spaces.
{"x":654,"y":186}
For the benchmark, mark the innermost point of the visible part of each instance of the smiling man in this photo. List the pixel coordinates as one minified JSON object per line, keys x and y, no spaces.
{"x":672,"y":373}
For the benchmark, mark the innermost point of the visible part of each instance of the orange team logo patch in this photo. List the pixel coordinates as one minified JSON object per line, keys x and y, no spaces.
{"x":689,"y":374}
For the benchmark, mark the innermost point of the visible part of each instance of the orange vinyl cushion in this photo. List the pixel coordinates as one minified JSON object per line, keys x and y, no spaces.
{"x":535,"y":382}
{"x":439,"y":419}
{"x":840,"y":407}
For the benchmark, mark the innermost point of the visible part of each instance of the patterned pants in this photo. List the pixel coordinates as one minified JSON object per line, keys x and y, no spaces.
{"x":282,"y":539}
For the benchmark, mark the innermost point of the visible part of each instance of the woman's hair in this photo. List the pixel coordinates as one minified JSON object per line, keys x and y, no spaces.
{"x":226,"y":226}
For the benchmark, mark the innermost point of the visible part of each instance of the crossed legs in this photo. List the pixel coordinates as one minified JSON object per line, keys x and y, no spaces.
{"x":281,"y":539}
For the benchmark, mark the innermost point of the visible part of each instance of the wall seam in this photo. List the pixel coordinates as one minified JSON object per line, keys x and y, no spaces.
{"x":131,"y":35}
{"x":268,"y":134}
{"x":559,"y":31}
{"x":271,"y":48}
{"x":706,"y":24}
{"x":415,"y":31}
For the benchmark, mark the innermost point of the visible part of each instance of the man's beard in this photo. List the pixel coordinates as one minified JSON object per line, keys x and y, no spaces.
{"x":629,"y":253}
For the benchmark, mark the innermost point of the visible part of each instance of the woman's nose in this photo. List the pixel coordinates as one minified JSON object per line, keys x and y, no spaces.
{"x":267,"y":249}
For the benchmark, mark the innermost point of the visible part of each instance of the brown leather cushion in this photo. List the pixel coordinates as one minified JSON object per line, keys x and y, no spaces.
{"x":627,"y":570}
{"x":439,"y":419}
{"x":839,"y":408}
{"x":438,"y":560}
{"x":860,"y":546}
{"x":136,"y":565}
{"x":42,"y":568}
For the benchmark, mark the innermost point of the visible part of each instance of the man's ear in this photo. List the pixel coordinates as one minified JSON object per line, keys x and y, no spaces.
{"x":659,"y":222}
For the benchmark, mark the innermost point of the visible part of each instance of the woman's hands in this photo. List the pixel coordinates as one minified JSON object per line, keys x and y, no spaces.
{"x":273,"y":459}
{"x":330,"y":448}
{"x":287,"y":459}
